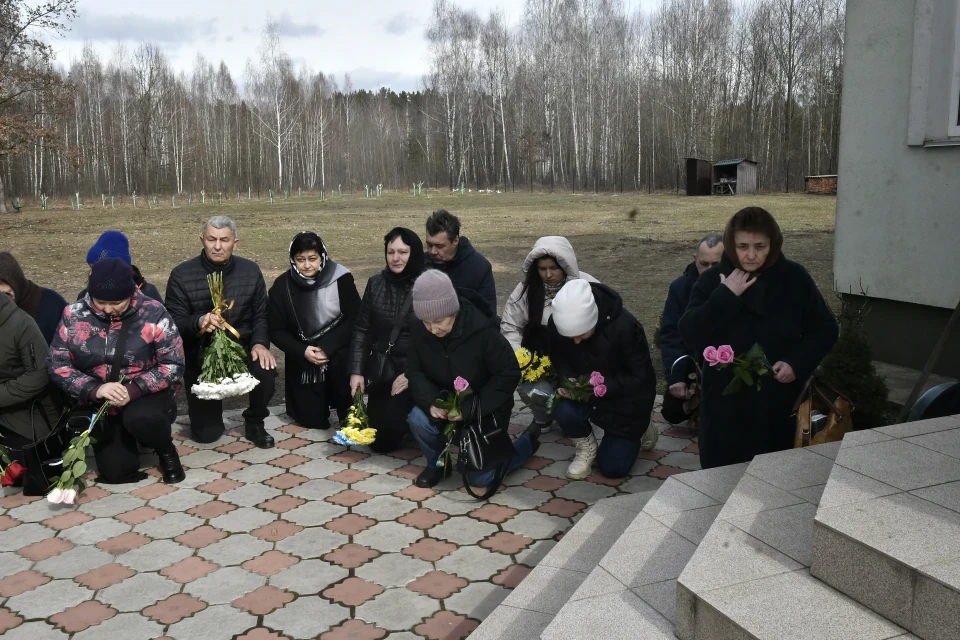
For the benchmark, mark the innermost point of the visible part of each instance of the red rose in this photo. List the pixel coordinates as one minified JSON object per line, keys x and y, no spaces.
{"x":13,"y":473}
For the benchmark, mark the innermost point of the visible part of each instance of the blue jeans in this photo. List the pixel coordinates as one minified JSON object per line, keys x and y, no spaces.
{"x":429,"y":435}
{"x":615,"y":456}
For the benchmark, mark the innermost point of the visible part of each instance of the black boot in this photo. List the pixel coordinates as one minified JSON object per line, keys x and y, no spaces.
{"x":170,"y":465}
{"x":429,"y":477}
{"x":256,"y":434}
{"x":533,"y":432}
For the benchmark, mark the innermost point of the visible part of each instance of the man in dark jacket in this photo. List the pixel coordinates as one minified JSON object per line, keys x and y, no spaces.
{"x":113,"y":244}
{"x":591,"y":333}
{"x":188,"y":300}
{"x":456,"y":338}
{"x":678,"y":363}
{"x":455,"y":256}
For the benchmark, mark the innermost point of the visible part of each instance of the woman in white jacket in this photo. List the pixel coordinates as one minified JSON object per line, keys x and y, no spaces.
{"x":550,"y":265}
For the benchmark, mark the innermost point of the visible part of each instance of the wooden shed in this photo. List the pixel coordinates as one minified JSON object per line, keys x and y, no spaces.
{"x":737,"y":176}
{"x":699,"y":177}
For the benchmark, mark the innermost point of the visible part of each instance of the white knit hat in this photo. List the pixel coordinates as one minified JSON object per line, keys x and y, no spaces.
{"x":574,"y":309}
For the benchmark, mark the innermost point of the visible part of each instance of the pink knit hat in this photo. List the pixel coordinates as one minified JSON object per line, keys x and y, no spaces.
{"x":434,"y":296}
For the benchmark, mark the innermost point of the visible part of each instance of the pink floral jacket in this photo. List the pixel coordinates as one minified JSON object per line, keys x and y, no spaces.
{"x":82,"y":351}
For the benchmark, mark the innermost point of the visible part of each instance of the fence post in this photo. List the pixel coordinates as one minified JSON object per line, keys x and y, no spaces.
{"x":270,"y":192}
{"x":249,"y":193}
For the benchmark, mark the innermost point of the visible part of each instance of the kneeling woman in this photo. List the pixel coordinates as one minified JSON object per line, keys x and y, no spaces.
{"x":311,"y":313}
{"x":458,"y":338}
{"x":116,"y":345}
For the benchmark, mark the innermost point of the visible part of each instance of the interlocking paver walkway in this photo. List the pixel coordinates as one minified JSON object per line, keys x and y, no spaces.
{"x":306,"y":540}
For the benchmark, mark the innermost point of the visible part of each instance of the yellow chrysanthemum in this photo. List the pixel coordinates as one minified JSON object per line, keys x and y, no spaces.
{"x":524,"y":357}
{"x":545,"y":362}
{"x":360,"y":436}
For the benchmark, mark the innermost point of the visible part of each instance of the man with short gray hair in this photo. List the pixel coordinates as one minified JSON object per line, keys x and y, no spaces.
{"x":188,"y":301}
{"x":678,"y":362}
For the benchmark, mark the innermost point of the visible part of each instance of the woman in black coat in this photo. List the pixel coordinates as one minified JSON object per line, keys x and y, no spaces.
{"x":377,"y":363}
{"x":311,"y":312}
{"x":755,"y":296}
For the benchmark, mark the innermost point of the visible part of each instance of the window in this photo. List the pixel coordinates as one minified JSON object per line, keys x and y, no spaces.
{"x":934,"y":118}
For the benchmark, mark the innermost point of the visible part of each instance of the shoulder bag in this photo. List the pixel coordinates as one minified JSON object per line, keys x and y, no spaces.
{"x":484,"y":445}
{"x":380,"y":366}
{"x":834,"y":419}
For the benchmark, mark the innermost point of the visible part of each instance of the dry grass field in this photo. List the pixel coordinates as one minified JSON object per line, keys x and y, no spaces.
{"x":635,"y":243}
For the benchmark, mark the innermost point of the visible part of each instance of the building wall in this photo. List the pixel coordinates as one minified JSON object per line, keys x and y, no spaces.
{"x":898,"y":207}
{"x":823,"y":185}
{"x":746,"y":179}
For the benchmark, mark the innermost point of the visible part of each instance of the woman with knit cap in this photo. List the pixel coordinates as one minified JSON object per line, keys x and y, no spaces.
{"x":311,"y":313}
{"x":381,"y":339}
{"x":551,"y":264}
{"x":44,"y":305}
{"x":118,"y":346}
{"x":458,"y":337}
{"x":755,"y":296}
{"x":590,"y":331}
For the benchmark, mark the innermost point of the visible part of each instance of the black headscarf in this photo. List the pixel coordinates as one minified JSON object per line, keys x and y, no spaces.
{"x":414,"y":265}
{"x":306,"y":241}
{"x":27,"y":293}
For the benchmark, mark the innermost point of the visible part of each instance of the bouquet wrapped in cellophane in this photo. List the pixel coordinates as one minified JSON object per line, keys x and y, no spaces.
{"x":223,"y":373}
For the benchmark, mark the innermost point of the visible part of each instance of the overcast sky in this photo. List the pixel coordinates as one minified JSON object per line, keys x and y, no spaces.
{"x":378,"y":42}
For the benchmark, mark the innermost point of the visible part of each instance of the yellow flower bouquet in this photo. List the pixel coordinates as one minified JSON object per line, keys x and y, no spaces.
{"x":358,"y":430}
{"x":533,"y":366}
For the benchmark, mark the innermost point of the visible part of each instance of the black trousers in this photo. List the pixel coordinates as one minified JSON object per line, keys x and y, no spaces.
{"x":310,"y":404}
{"x":388,"y":415}
{"x":206,"y":416}
{"x":145,"y":420}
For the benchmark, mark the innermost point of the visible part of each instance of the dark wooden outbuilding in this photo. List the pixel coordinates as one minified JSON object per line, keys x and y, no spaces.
{"x":699,"y":176}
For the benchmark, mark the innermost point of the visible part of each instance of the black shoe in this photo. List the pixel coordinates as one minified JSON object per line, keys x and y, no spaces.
{"x":172,"y":469}
{"x":256,"y":434}
{"x":533,"y":432}
{"x":429,"y":477}
{"x":542,"y":427}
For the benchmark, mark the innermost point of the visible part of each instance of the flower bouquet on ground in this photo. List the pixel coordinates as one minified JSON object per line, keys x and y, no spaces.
{"x":748,"y":369}
{"x":581,"y":389}
{"x":533,"y":366}
{"x":358,"y":430}
{"x":224,"y":372}
{"x":452,"y":403}
{"x":66,"y":488}
{"x":10,"y":472}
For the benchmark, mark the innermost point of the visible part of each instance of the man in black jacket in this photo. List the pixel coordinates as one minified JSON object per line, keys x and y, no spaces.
{"x":188,"y":301}
{"x":455,"y":256}
{"x":591,"y":333}
{"x":678,"y":368}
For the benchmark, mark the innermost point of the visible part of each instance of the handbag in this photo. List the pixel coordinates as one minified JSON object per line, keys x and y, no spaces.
{"x":380,"y":366}
{"x":484,"y":445}
{"x":819,"y":419}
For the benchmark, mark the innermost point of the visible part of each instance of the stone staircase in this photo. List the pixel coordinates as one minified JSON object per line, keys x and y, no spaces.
{"x":854,"y":540}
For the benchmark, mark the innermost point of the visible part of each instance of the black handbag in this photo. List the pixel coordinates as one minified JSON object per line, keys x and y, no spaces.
{"x":484,"y":445}
{"x":43,"y":459}
{"x":380,"y":366}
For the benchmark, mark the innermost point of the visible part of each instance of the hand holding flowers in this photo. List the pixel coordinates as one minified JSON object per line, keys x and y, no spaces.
{"x":450,"y":406}
{"x":747,"y":369}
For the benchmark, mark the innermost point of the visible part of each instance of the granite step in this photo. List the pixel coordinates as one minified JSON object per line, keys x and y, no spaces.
{"x":887,"y":529}
{"x":750,"y":575}
{"x":630,"y":593}
{"x":529,"y":608}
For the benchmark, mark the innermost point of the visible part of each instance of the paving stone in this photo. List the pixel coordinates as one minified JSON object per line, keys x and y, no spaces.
{"x":587,"y":492}
{"x":355,"y":630}
{"x":536,"y":525}
{"x":256,"y":473}
{"x":308,"y":577}
{"x":89,"y":533}
{"x":37,"y":511}
{"x":123,"y":488}
{"x":519,"y":477}
{"x":656,"y":555}
{"x":306,"y":618}
{"x":124,"y":542}
{"x":662,"y":596}
{"x":562,"y":507}
{"x":263,"y":600}
{"x":11,"y":563}
{"x":223,"y":621}
{"x":446,"y":625}
{"x":681,"y":459}
{"x":718,"y":483}
{"x":316,"y":469}
{"x":535,"y":553}
{"x":676,"y":496}
{"x":243,"y":519}
{"x":202,"y":459}
{"x":181,"y":500}
{"x":555,"y":469}
{"x":224,"y":585}
{"x":168,"y":525}
{"x":21,"y":582}
{"x":212,"y":509}
{"x":276,"y":530}
{"x":42,"y":550}
{"x":393,"y":570}
{"x":789,"y":530}
{"x":453,"y":503}
{"x":946,"y":442}
{"x":477,"y":600}
{"x":73,"y":562}
{"x":270,"y":563}
{"x":320,"y":450}
{"x":197,"y":477}
{"x":189,"y":569}
{"x":430,"y":549}
{"x":201,"y":537}
{"x":384,"y":508}
{"x":155,"y":556}
{"x":918,"y":428}
{"x":629,"y":615}
{"x":397,"y":609}
{"x":234,"y":550}
{"x":598,"y":583}
{"x":553,"y":451}
{"x":945,"y":495}
{"x":388,"y":537}
{"x":67,"y":520}
{"x":313,"y":542}
{"x":130,"y":626}
{"x":507,"y":622}
{"x":474,"y":563}
{"x":249,"y":495}
{"x":350,"y":524}
{"x":138,"y":592}
{"x":810,"y":494}
{"x":316,"y":489}
{"x":935,"y":606}
{"x":520,"y":498}
{"x":546,"y":589}
{"x":48,"y":599}
{"x":84,"y":615}
{"x":352,"y":592}
{"x":27,"y":534}
{"x":174,"y":609}
{"x":641,"y":484}
{"x":463,"y":530}
{"x":314,"y":513}
{"x":286,"y":481}
{"x":379,"y":464}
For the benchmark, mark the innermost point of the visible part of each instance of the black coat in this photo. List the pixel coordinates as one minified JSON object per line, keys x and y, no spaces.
{"x":188,"y":299}
{"x":471,"y":271}
{"x":474,"y":350}
{"x":618,"y":350}
{"x":52,"y":305}
{"x":381,"y":303}
{"x":283,"y":325}
{"x":786,"y":315}
{"x":672,"y":346}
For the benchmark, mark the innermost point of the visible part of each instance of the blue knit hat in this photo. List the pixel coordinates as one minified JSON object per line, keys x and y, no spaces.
{"x":111,"y":280}
{"x":110,"y":244}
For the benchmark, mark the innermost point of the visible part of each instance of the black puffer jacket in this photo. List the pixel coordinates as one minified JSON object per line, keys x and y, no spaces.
{"x":381,"y":303}
{"x":188,"y":299}
{"x":474,"y":350}
{"x":618,"y":350}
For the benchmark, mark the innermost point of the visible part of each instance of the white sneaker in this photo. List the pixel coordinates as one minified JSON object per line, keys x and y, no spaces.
{"x":582,"y":464}
{"x":649,"y":439}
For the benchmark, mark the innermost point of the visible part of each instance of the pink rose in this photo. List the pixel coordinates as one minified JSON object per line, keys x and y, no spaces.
{"x":596,"y":378}
{"x":599,"y":390}
{"x":725,"y":354}
{"x":460,"y":384}
{"x":710,"y":355}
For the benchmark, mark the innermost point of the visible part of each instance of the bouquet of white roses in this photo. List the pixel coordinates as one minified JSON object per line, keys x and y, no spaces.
{"x":224,"y":372}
